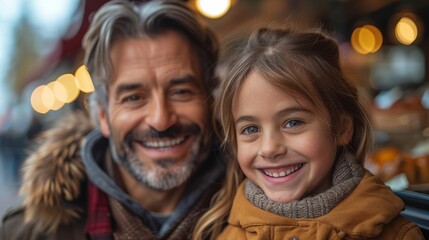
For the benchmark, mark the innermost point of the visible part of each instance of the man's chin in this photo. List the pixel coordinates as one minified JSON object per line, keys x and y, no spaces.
{"x":164,"y":185}
{"x":162,"y":178}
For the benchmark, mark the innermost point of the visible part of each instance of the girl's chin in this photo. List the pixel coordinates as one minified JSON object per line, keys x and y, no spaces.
{"x":282,"y":197}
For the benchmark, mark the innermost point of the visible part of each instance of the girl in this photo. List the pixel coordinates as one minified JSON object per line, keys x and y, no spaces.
{"x":300,"y":136}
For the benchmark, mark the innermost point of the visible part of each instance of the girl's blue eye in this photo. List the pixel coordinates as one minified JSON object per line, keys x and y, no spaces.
{"x":249,"y":130}
{"x":292,"y":123}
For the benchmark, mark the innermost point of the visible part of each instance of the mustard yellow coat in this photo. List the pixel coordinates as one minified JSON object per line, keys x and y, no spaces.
{"x":370,"y":212}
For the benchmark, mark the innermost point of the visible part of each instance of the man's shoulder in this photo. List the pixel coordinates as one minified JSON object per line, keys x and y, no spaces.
{"x":12,"y":214}
{"x":13,"y":225}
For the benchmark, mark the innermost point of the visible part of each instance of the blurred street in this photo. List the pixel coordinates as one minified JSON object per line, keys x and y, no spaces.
{"x":11,"y":157}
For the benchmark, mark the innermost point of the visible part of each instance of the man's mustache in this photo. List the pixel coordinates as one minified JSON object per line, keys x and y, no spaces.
{"x":172,"y":132}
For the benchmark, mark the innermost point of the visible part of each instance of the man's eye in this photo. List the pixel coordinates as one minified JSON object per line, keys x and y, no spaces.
{"x":181,"y":91}
{"x":182,"y":94}
{"x":292,"y":123}
{"x":249,"y":130}
{"x":131,"y":98}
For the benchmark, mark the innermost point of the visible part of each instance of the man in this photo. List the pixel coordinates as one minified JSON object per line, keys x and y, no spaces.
{"x":150,"y":167}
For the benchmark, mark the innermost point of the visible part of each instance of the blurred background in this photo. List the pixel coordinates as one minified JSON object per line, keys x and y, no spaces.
{"x":384,"y":46}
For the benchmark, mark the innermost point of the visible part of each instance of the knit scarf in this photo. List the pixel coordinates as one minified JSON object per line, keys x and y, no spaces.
{"x":128,"y":226}
{"x":346,"y":176}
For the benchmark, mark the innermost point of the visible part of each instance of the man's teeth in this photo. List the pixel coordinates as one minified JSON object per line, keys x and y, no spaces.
{"x":283,"y":173}
{"x":163,"y":143}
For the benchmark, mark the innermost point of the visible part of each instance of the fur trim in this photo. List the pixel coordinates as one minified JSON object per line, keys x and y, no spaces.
{"x":53,"y":173}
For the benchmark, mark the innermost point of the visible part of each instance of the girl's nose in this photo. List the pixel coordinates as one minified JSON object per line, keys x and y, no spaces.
{"x":272,"y":146}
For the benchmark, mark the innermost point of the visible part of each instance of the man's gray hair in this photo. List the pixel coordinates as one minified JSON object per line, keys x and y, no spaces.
{"x":125,"y":19}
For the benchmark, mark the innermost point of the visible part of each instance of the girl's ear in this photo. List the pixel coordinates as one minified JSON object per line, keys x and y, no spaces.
{"x":346,"y":130}
{"x":104,"y":122}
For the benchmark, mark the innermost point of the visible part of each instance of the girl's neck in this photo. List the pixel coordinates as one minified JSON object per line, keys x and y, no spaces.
{"x":347,"y":174}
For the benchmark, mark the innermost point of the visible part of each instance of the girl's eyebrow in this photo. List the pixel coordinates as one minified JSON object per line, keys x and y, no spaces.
{"x":244,"y":118}
{"x":290,"y":110}
{"x":283,"y":112}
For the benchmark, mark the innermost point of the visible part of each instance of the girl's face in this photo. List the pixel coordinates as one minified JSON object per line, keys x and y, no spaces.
{"x":283,"y":146}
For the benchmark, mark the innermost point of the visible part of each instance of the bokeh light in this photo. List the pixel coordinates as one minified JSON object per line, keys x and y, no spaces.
{"x":54,"y":87}
{"x":84,"y":81}
{"x":59,"y":90}
{"x":406,"y":31}
{"x":70,"y":84}
{"x":366,"y":39}
{"x":36,"y":100}
{"x":64,"y":89}
{"x":48,"y":97}
{"x":213,"y":8}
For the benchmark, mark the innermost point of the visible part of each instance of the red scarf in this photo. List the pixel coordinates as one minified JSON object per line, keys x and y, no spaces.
{"x":98,"y":223}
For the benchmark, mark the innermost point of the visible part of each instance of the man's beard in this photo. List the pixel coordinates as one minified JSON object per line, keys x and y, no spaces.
{"x":163,"y":174}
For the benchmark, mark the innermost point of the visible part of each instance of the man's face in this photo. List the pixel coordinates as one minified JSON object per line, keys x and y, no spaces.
{"x":157,"y":113}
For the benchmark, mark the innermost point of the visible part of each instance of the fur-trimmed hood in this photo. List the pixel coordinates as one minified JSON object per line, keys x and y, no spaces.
{"x":54,"y":172}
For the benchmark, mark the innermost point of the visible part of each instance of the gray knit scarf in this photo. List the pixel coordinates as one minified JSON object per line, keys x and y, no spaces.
{"x":346,"y":176}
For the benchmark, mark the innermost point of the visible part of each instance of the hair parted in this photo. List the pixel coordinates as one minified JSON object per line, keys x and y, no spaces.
{"x":125,"y":19}
{"x":302,"y":62}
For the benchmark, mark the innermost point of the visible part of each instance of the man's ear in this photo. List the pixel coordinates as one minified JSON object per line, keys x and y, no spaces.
{"x":104,"y":122}
{"x":346,"y":130}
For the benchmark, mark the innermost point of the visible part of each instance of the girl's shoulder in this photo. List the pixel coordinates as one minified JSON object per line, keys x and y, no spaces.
{"x":401,"y":228}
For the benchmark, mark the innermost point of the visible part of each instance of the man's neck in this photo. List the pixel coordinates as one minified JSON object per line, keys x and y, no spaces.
{"x":160,"y":201}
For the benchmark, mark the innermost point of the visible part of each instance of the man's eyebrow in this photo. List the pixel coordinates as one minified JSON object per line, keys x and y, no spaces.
{"x":182,"y":80}
{"x":126,"y":87}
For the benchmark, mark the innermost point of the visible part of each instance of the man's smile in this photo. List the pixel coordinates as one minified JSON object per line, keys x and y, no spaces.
{"x":163,"y":143}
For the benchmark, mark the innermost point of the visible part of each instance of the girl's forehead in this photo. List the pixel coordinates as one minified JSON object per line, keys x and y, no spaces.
{"x":300,"y":89}
{"x":302,"y":92}
{"x":258,"y":88}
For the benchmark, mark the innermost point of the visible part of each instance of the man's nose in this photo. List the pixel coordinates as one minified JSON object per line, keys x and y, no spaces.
{"x":272,"y":146}
{"x":161,"y":115}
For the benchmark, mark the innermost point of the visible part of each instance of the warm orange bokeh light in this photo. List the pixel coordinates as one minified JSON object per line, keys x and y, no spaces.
{"x":84,"y":81}
{"x":406,"y":31}
{"x":366,"y":39}
{"x":54,"y":86}
{"x":64,"y":89}
{"x":70,"y":84}
{"x":36,"y":100}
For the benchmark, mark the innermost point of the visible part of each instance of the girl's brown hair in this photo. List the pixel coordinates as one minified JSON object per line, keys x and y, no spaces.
{"x":305,"y":62}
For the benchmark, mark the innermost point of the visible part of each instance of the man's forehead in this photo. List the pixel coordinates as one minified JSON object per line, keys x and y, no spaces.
{"x":170,"y":42}
{"x":165,"y":57}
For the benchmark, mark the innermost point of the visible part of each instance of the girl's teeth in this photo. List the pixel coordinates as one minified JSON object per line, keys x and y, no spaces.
{"x":283,"y":173}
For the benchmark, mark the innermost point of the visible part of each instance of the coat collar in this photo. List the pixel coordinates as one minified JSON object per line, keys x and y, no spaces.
{"x":366,"y":211}
{"x":53,"y":175}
